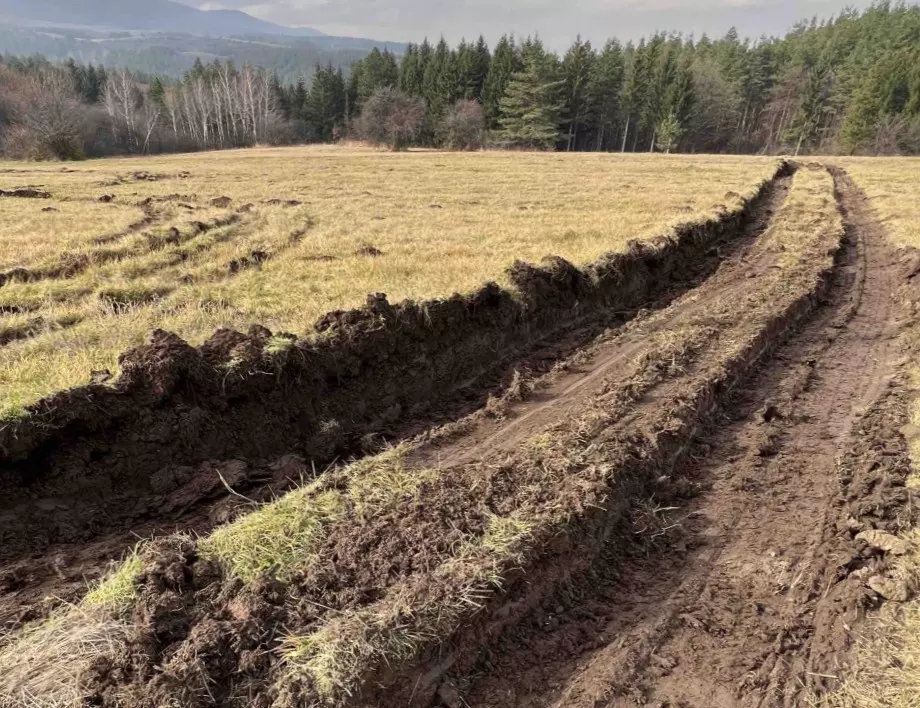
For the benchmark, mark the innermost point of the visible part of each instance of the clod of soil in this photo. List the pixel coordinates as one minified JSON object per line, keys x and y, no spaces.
{"x":255,"y":258}
{"x":25,"y":193}
{"x":370,"y":251}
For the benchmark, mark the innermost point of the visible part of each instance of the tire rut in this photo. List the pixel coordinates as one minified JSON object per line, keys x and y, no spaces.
{"x":747,"y":604}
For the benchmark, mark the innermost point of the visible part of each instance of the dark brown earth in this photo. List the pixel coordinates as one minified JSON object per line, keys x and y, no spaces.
{"x":750,"y":595}
{"x":734,"y":580}
{"x":103,"y":457}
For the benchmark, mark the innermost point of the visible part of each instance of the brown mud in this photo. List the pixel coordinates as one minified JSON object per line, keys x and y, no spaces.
{"x":720,"y":566}
{"x":107,"y":457}
{"x":623,"y":421}
{"x":753,"y":583}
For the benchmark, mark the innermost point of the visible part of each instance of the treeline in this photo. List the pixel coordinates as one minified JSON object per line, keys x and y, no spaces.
{"x":50,"y":111}
{"x":846,"y":85}
{"x":850,"y":84}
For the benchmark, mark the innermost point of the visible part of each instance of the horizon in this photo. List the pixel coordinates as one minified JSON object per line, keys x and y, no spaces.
{"x":597,"y":21}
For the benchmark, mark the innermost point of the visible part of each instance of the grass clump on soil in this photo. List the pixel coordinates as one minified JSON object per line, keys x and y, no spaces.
{"x":165,"y":273}
{"x":334,"y":659}
{"x":283,"y":538}
{"x":118,"y":590}
{"x":43,"y":667}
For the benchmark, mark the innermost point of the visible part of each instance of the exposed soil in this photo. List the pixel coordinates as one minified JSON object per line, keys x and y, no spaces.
{"x":750,"y":595}
{"x":642,"y":401}
{"x":25,"y":193}
{"x":719,"y":566}
{"x":103,"y":457}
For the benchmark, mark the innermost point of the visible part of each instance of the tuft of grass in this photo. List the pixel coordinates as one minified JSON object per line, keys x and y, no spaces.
{"x":119,"y":589}
{"x":505,"y":536}
{"x":278,"y":539}
{"x":43,"y":667}
{"x":284,"y":537}
{"x":280,"y":345}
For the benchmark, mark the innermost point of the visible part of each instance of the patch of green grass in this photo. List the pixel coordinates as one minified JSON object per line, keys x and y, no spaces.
{"x":278,"y":539}
{"x":118,"y":590}
{"x":284,"y":537}
{"x":280,"y":345}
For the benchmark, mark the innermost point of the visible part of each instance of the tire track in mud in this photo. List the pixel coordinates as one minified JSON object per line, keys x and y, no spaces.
{"x":746,"y":259}
{"x":30,"y":578}
{"x":750,"y":599}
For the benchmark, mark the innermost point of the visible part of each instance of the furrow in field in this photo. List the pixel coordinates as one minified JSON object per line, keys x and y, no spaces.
{"x":746,"y":584}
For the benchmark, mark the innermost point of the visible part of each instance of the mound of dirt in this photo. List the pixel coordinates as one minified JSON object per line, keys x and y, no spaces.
{"x":99,"y":446}
{"x":25,"y":193}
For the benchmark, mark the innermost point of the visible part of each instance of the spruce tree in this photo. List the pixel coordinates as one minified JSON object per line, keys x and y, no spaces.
{"x":577,"y":69}
{"x":531,"y":106}
{"x":605,"y":88}
{"x":505,"y":62}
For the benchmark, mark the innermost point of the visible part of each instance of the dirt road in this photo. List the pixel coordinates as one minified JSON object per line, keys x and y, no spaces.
{"x":721,"y":454}
{"x":750,"y":596}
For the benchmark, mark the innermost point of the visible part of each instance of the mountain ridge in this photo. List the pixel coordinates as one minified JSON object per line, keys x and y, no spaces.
{"x":145,"y":15}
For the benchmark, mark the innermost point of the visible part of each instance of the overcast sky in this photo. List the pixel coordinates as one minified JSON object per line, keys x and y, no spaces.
{"x":556,"y":21}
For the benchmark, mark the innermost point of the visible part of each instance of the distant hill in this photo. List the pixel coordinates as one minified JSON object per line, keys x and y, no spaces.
{"x":149,"y":15}
{"x":172,"y":54}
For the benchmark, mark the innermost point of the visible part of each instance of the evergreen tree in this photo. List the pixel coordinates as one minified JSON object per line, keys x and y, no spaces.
{"x":505,"y":62}
{"x":411,"y":72}
{"x":325,"y":104}
{"x":437,"y":83}
{"x":481,"y":60}
{"x":604,"y":93}
{"x":531,"y":106}
{"x":577,"y":70}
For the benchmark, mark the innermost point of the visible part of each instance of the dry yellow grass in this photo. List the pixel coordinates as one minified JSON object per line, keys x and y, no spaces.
{"x":886,"y":670}
{"x":444,"y":222}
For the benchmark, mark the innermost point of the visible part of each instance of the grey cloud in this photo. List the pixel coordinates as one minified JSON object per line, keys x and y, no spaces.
{"x":556,"y":22}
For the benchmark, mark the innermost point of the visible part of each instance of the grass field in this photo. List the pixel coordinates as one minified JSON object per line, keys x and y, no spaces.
{"x":303,"y":231}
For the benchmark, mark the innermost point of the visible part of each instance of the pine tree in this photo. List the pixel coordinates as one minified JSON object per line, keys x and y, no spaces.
{"x":481,"y":61}
{"x":604,"y":93}
{"x":411,"y":72}
{"x":299,"y":103}
{"x":505,"y":62}
{"x":157,"y":93}
{"x":325,"y":104}
{"x":531,"y":107}
{"x":577,"y":70}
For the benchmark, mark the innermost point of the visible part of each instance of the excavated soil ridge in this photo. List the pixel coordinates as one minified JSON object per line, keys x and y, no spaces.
{"x":85,"y":457}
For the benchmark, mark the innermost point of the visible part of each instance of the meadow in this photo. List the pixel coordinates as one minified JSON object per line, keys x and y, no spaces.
{"x":111,"y":249}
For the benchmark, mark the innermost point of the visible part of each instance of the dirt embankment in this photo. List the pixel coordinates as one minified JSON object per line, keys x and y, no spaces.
{"x":92,"y":456}
{"x":397,"y":605}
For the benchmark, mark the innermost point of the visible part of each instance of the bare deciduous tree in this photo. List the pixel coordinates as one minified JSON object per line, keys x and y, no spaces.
{"x":391,"y":117}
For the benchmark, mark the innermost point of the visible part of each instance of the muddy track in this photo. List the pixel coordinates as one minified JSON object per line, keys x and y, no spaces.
{"x":749,"y":595}
{"x":54,"y":541}
{"x":742,"y":436}
{"x":128,"y":446}
{"x":569,"y":464}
